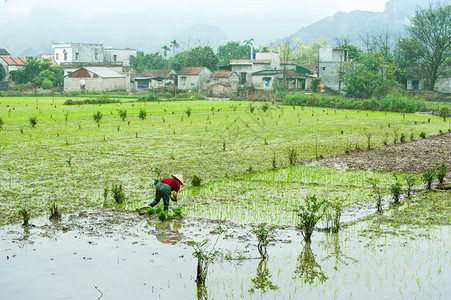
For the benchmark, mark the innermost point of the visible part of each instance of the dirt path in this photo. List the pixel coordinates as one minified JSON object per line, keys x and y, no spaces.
{"x":412,"y":156}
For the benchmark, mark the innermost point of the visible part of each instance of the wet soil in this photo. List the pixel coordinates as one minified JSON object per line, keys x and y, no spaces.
{"x":412,"y":157}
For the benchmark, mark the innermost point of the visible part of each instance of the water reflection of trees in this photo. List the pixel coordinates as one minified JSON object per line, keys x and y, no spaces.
{"x":308,"y":269}
{"x":340,"y":257}
{"x":262,"y":280}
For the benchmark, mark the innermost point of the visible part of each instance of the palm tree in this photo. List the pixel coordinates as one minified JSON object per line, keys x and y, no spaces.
{"x":174,"y":45}
{"x":165,"y":49}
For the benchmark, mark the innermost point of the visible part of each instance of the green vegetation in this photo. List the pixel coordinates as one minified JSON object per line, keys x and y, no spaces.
{"x":100,"y":155}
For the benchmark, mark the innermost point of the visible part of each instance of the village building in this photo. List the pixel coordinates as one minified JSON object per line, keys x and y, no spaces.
{"x":72,"y":56}
{"x":96,"y":79}
{"x":330,"y":66}
{"x":193,"y":78}
{"x":11,"y":65}
{"x":153,"y":79}
{"x":223,"y":83}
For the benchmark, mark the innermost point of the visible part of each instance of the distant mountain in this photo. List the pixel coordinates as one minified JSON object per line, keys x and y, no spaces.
{"x":201,"y":35}
{"x":357,"y":24}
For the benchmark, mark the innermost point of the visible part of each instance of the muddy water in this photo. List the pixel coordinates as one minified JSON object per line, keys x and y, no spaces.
{"x":118,"y":255}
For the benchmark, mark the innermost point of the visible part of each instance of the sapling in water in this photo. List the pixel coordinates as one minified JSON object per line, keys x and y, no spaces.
{"x":142,"y":114}
{"x":97,"y":116}
{"x":205,"y":257}
{"x":264,"y":236}
{"x":429,"y":177}
{"x":122,"y":114}
{"x":309,"y":213}
{"x":410,"y":181}
{"x":396,"y":190}
{"x":55,"y":214}
{"x":118,"y":193}
{"x":196,"y":181}
{"x":23,"y":212}
{"x":442,"y":169}
{"x":33,"y":121}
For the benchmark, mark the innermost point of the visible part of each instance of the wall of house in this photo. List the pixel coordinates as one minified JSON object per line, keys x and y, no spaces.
{"x":188,"y":82}
{"x":204,"y":76}
{"x":122,"y":55}
{"x":86,"y":53}
{"x":4,"y":65}
{"x":443,"y":85}
{"x":95,"y":84}
{"x":330,"y":61}
{"x":259,"y":82}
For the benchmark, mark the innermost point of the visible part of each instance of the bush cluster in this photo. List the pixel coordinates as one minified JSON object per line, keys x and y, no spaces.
{"x":394,"y":102}
{"x":91,"y":101}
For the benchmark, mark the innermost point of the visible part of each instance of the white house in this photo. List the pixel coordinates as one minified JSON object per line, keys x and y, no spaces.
{"x":96,"y":79}
{"x":193,"y":78}
{"x":330,"y":63}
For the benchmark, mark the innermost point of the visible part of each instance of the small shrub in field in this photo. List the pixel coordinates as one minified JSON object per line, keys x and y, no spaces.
{"x":148,"y":97}
{"x":142,"y":114}
{"x":33,"y":121}
{"x":410,"y":181}
{"x":377,"y":192}
{"x":443,"y":112}
{"x":251,"y":108}
{"x":23,"y":212}
{"x":55,"y":214}
{"x":423,"y":134}
{"x":429,"y":177}
{"x":188,"y":111}
{"x":97,"y":116}
{"x":1,"y":122}
{"x":118,"y":193}
{"x":402,"y":137}
{"x":264,"y":236}
{"x":292,"y":156}
{"x":309,"y":213}
{"x":396,"y":191}
{"x":274,"y":161}
{"x":196,"y":181}
{"x":412,"y":136}
{"x":122,"y":114}
{"x":442,"y":170}
{"x":265,"y":107}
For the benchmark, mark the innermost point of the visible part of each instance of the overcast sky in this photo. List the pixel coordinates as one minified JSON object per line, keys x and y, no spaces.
{"x":33,"y":23}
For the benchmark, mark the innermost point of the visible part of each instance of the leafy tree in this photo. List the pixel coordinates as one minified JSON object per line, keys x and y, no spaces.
{"x":2,"y":73}
{"x":233,"y":50}
{"x":370,"y":76}
{"x":429,"y":42}
{"x":174,"y":45}
{"x":309,"y":54}
{"x":201,"y":57}
{"x":353,"y":51}
{"x":177,"y":62}
{"x":31,"y":69}
{"x":165,"y":50}
{"x":148,"y":61}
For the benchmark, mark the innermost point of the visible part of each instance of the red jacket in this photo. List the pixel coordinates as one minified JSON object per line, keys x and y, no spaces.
{"x":173,"y":183}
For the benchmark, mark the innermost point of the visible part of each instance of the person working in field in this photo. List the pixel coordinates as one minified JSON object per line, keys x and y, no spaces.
{"x":164,"y":188}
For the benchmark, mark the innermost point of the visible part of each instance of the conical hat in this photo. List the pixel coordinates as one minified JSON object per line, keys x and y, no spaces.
{"x":179,"y":178}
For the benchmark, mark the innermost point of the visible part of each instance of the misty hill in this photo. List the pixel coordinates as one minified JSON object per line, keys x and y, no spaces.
{"x":201,"y":35}
{"x":355,"y":24}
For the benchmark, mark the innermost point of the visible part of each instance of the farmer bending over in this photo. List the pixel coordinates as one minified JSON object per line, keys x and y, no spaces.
{"x":164,"y":189}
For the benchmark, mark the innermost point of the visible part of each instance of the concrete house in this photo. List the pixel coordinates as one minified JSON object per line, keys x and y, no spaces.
{"x":267,"y":79}
{"x":330,"y":63}
{"x":223,"y":83}
{"x":96,"y":79}
{"x":72,"y":56}
{"x":193,"y":78}
{"x":266,"y":61}
{"x":154,"y":79}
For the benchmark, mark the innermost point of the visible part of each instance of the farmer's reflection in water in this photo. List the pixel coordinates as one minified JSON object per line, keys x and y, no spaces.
{"x":308,"y":269}
{"x":168,"y":234}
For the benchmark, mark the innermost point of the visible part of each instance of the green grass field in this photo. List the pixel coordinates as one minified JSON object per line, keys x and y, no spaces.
{"x":67,"y":157}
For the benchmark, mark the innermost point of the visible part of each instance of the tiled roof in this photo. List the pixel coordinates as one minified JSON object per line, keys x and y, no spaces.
{"x":293,"y":74}
{"x":99,"y":71}
{"x":191,"y":71}
{"x":20,"y":61}
{"x":311,"y":68}
{"x":14,"y":61}
{"x":288,"y":62}
{"x":163,"y":73}
{"x":221,"y":74}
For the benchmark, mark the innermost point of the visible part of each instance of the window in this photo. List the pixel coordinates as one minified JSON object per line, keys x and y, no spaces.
{"x":96,"y":56}
{"x":267,"y":82}
{"x":65,"y":55}
{"x":183,"y":80}
{"x":324,"y":68}
{"x":56,"y":56}
{"x":243,"y":77}
{"x":115,"y":57}
{"x":76,"y":55}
